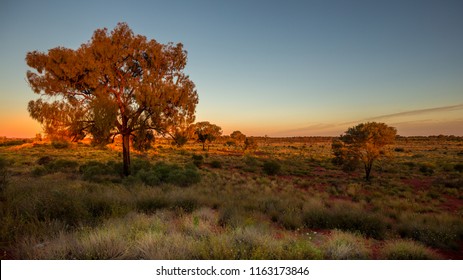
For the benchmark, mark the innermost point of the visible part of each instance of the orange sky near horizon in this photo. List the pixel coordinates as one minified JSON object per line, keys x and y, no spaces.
{"x":425,"y":122}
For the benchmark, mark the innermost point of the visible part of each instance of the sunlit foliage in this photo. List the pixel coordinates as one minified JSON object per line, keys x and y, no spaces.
{"x":363,"y":144}
{"x":207,"y":132}
{"x":117,"y":83}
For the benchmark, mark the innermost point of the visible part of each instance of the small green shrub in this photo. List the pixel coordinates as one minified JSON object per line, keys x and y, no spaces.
{"x":39,"y":171}
{"x":44,"y":160}
{"x":62,"y":165}
{"x":251,"y":164}
{"x":406,"y":250}
{"x":60,"y":144}
{"x":427,"y":168}
{"x":185,"y":204}
{"x":231,"y":216}
{"x":271,"y":167}
{"x":138,"y":164}
{"x":184,"y":177}
{"x":170,"y":174}
{"x":151,"y":204}
{"x":100,"y":172}
{"x":458,"y":167}
{"x":198,"y":160}
{"x":456,"y":183}
{"x":148,"y":177}
{"x":216,"y":164}
{"x":410,"y":164}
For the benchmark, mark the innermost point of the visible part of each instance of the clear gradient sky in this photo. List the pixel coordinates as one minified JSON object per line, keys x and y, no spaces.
{"x":277,"y":68}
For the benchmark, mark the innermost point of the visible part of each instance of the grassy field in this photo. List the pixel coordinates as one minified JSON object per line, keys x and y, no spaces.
{"x":285,"y":200}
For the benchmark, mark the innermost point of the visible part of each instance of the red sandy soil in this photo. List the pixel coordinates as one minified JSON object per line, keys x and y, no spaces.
{"x":452,"y":204}
{"x":419,"y":184}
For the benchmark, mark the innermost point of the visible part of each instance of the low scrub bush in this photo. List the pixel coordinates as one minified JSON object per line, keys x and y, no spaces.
{"x":185,"y":204}
{"x":139,"y":164}
{"x":231,"y":216}
{"x":456,"y":183}
{"x":39,"y":171}
{"x":406,"y":250}
{"x":64,"y":206}
{"x":101,"y":244}
{"x":151,"y":204}
{"x":62,"y":165}
{"x":198,"y":160}
{"x":438,"y":231}
{"x":44,"y":160}
{"x":271,"y":167}
{"x":251,"y":164}
{"x":47,"y":165}
{"x":347,"y":217}
{"x":427,"y":168}
{"x":255,"y":243}
{"x":216,"y":164}
{"x":410,"y":164}
{"x":346,"y":246}
{"x":96,"y":171}
{"x":60,"y":144}
{"x":170,"y":174}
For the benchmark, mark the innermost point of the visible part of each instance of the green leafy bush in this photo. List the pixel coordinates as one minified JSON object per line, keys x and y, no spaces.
{"x":216,"y":164}
{"x":47,"y":165}
{"x":96,"y":171}
{"x":39,"y":171}
{"x":271,"y":167}
{"x":427,"y":168}
{"x":44,"y":160}
{"x":197,"y":160}
{"x":170,"y":174}
{"x":151,"y":204}
{"x":62,"y":165}
{"x":251,"y":164}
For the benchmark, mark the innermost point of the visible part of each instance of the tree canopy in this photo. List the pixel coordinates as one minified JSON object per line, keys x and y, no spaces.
{"x":207,"y":132}
{"x":364,"y":144}
{"x":118,"y":83}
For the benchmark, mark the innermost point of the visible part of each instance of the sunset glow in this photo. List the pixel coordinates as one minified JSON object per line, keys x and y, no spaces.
{"x":294,"y":68}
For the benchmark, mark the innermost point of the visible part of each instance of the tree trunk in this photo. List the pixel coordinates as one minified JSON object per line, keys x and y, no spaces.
{"x":126,"y":154}
{"x":368,"y":167}
{"x":204,"y":145}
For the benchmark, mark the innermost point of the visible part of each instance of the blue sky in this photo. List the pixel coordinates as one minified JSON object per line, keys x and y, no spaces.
{"x":277,"y":68}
